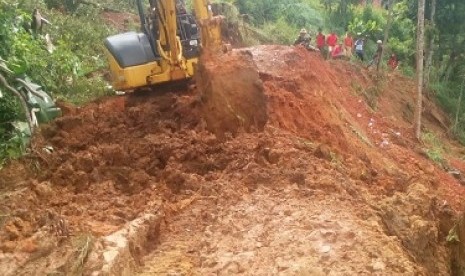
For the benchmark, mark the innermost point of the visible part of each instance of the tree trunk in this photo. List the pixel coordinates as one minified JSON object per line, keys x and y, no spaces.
{"x":386,"y":34}
{"x":457,"y":113}
{"x":420,"y":52}
{"x":429,"y":54}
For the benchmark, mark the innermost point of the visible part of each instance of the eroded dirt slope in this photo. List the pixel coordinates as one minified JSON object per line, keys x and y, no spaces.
{"x":323,"y":184}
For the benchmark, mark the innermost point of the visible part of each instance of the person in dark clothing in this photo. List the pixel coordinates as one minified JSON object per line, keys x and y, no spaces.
{"x":359,"y":47}
{"x":303,"y":39}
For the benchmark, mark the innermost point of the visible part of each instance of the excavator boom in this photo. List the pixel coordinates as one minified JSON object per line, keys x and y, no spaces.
{"x":210,"y":26}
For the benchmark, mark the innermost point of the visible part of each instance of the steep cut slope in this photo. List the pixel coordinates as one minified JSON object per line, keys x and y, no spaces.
{"x":323,"y":184}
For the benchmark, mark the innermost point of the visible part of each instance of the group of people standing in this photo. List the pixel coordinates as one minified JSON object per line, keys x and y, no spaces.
{"x":334,"y":48}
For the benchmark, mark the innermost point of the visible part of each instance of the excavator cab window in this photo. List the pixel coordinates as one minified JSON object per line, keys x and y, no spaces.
{"x":188,"y":32}
{"x":187,"y":28}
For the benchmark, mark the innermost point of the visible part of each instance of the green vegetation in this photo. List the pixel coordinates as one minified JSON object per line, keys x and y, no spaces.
{"x":434,"y":148}
{"x":64,"y":72}
{"x":280,"y":21}
{"x":78,"y":50}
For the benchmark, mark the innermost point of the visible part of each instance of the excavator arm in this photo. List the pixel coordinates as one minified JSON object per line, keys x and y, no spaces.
{"x":210,"y":26}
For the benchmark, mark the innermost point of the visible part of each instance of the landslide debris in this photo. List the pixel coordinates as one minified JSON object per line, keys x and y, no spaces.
{"x":282,"y":167}
{"x":232,"y":93}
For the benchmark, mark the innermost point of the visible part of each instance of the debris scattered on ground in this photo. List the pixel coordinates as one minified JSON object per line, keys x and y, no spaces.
{"x":294,"y":181}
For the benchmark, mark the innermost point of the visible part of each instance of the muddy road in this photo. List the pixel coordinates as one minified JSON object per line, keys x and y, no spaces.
{"x":313,"y":173}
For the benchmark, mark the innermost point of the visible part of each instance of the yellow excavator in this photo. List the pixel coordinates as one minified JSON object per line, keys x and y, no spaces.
{"x":167,"y":48}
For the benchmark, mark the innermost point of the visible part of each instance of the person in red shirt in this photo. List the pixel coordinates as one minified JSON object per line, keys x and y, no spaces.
{"x":320,"y":40}
{"x":393,"y":62}
{"x":348,"y":45}
{"x":338,"y":52}
{"x":332,"y":42}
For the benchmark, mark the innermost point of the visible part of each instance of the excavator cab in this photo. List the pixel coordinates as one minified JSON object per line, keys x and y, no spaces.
{"x":166,"y":49}
{"x":186,"y":28}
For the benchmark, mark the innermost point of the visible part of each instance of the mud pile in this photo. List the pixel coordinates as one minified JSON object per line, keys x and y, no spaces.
{"x":231,"y":93}
{"x":277,"y":156}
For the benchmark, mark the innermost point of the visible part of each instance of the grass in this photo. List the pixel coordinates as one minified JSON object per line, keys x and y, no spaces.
{"x":371,"y":96}
{"x":360,"y":135}
{"x":83,"y":246}
{"x":433,"y":148}
{"x":372,"y":93}
{"x":86,"y":90}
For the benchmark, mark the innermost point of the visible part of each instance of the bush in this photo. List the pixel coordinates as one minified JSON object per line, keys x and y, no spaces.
{"x":402,"y":34}
{"x":282,"y":20}
{"x":78,"y":45}
{"x":83,"y":90}
{"x":13,"y":147}
{"x":78,"y":42}
{"x":280,"y":32}
{"x":368,"y":21}
{"x":9,"y":112}
{"x":407,"y":70}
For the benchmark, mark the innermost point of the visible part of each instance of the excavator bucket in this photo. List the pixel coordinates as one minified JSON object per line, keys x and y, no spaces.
{"x":232,"y":93}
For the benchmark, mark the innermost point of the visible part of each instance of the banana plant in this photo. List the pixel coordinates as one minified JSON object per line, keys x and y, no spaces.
{"x":4,"y":70}
{"x":37,"y":105}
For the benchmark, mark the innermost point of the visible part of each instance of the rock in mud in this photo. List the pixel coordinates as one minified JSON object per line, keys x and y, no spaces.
{"x":272,"y":155}
{"x":43,"y":190}
{"x":12,"y":231}
{"x":323,"y":152}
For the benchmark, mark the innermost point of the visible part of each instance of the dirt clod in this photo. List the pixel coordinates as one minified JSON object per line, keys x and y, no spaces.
{"x":323,"y":152}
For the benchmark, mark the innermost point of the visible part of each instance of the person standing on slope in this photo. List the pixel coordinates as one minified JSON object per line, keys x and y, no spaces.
{"x":359,"y":47}
{"x":332,"y":42}
{"x":348,"y":45}
{"x":393,"y":62}
{"x":377,"y":55}
{"x":338,"y":52}
{"x":303,"y":39}
{"x":320,"y":40}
